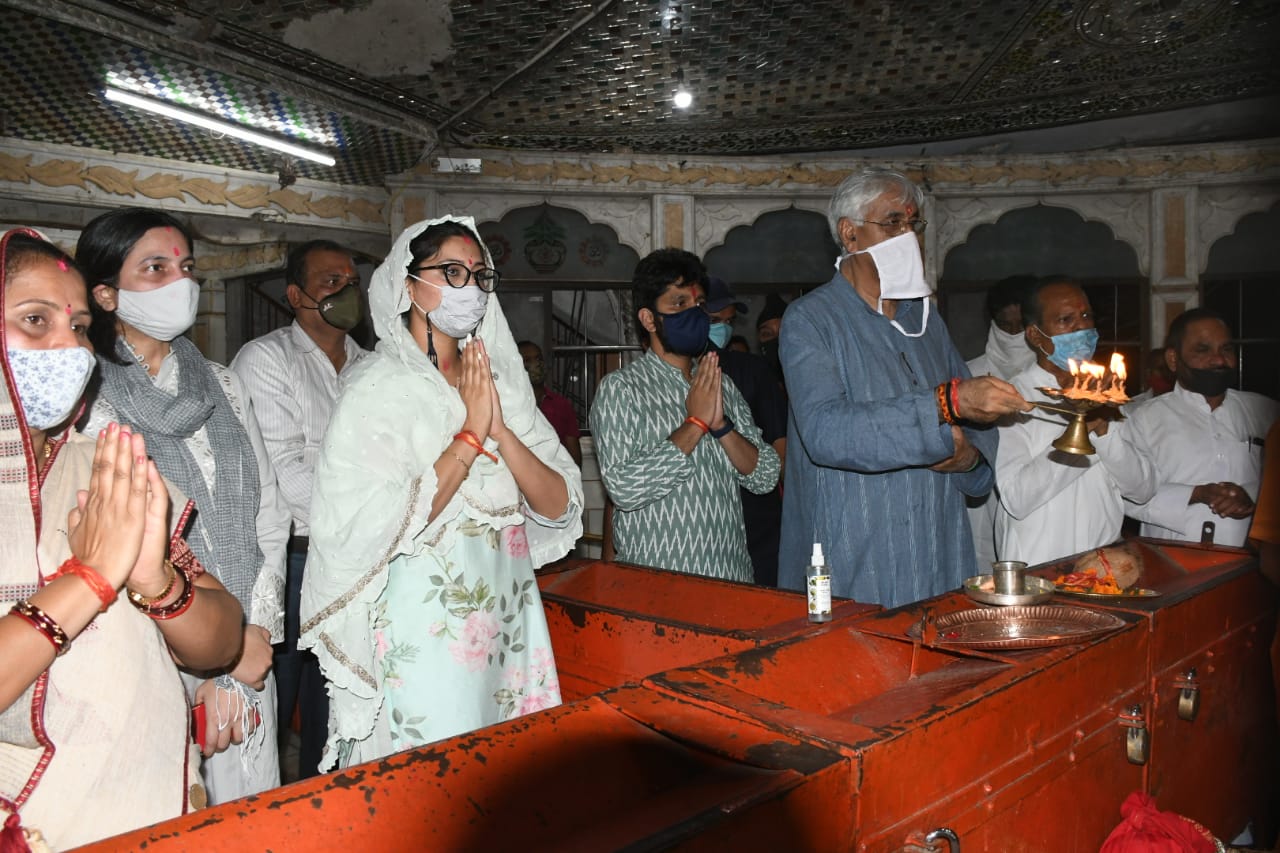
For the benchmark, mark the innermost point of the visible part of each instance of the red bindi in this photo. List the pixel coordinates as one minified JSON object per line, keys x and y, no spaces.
{"x":176,"y":253}
{"x":68,"y":310}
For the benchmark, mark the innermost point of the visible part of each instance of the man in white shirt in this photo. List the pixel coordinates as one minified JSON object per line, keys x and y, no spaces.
{"x":1054,"y":504}
{"x":292,"y":376}
{"x":1005,"y":356}
{"x":1204,"y":438}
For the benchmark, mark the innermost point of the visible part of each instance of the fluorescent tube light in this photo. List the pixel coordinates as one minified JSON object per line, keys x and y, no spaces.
{"x":216,"y":125}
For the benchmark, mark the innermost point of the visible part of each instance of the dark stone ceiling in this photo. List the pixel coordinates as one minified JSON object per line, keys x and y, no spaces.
{"x":381,"y":83}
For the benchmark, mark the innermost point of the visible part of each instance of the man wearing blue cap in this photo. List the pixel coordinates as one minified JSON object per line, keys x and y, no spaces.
{"x":760,"y":388}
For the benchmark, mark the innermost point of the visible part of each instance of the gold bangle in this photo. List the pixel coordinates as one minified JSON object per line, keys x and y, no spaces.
{"x":461,"y":461}
{"x":140,"y":600}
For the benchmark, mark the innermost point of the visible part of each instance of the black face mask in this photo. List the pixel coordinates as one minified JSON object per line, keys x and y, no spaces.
{"x":1211,"y":381}
{"x":769,"y":350}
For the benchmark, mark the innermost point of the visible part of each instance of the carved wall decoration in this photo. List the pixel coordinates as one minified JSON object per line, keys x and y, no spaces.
{"x":134,"y":183}
{"x":1219,"y":209}
{"x":224,"y":263}
{"x":951,"y":219}
{"x":714,"y":218}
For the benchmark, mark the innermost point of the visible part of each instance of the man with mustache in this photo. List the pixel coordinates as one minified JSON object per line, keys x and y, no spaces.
{"x":1204,"y":437}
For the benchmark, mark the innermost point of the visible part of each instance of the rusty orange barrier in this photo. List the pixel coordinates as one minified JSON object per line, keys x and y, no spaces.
{"x":613,"y":623}
{"x":1000,"y":747}
{"x":586,"y":776}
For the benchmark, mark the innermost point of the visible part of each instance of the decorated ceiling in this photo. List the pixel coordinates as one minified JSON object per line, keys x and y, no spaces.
{"x":383,"y":85}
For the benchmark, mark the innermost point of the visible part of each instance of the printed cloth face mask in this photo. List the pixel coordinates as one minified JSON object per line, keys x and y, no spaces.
{"x":460,"y":310}
{"x":1078,"y":345}
{"x":163,"y":313}
{"x":340,"y":309}
{"x":50,"y":382}
{"x":901,"y":270}
{"x":685,"y":332}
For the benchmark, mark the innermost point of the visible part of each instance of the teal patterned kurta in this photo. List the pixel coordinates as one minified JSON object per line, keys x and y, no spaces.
{"x":674,"y":511}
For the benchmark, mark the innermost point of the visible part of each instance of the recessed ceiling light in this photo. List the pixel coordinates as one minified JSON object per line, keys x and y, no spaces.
{"x":216,"y":125}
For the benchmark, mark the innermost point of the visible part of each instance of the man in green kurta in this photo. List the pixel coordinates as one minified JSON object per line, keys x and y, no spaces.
{"x":674,"y":438}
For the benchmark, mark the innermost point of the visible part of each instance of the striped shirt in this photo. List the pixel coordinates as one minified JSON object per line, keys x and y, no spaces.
{"x":674,"y":511}
{"x":293,"y":387}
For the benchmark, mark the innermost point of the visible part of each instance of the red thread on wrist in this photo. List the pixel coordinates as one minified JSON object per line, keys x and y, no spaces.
{"x":105,"y":592}
{"x":944,"y":404}
{"x":953,"y":398}
{"x":699,"y":423}
{"x":469,"y":437}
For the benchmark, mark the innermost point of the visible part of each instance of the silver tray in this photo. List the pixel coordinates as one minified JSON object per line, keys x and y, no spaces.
{"x":982,"y":588}
{"x":1020,"y":627}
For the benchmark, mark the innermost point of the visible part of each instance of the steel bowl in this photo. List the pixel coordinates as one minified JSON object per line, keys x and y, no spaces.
{"x":982,"y":588}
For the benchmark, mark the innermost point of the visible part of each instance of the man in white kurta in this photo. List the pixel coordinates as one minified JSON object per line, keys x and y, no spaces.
{"x":1205,"y":439}
{"x":1005,"y":356}
{"x":292,"y":375}
{"x":1054,"y":504}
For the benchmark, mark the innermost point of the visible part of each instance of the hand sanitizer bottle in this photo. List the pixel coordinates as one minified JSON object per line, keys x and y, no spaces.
{"x":819,"y":586}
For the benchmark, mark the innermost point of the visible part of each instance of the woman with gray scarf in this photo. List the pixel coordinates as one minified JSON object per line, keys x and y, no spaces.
{"x":203,"y":437}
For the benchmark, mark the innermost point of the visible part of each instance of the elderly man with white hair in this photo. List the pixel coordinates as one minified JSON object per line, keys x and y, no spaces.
{"x":884,"y":439}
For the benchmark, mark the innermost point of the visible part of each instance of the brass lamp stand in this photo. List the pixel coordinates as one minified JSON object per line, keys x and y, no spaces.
{"x":1075,"y":439}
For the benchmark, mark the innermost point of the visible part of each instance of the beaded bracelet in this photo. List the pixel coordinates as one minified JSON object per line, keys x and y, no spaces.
{"x":43,"y":623}
{"x":137,"y":599}
{"x":105,"y":592}
{"x":469,"y":437}
{"x":699,"y":423}
{"x":183,"y":603}
{"x":944,"y":404}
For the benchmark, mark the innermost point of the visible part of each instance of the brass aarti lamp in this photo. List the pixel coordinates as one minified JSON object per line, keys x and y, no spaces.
{"x":1091,"y":387}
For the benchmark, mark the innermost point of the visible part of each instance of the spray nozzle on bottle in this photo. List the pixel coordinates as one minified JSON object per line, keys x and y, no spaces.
{"x":818,"y":584}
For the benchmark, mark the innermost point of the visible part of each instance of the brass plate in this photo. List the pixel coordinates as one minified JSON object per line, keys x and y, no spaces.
{"x":1021,"y":627}
{"x":982,"y":588}
{"x":1132,"y":592}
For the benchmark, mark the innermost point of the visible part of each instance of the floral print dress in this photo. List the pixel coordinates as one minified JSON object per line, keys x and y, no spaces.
{"x":461,"y":638}
{"x":425,"y":615}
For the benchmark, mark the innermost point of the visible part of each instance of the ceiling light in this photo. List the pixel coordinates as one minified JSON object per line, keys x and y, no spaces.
{"x":683,"y":99}
{"x":217,"y":125}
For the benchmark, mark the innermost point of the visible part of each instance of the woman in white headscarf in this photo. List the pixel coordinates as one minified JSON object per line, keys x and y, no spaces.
{"x":440,"y":486}
{"x":94,"y":726}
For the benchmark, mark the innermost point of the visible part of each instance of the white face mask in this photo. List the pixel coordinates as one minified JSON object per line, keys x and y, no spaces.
{"x":901,"y":270}
{"x":460,"y":310}
{"x":50,"y":382}
{"x":163,"y":313}
{"x":1009,"y":354}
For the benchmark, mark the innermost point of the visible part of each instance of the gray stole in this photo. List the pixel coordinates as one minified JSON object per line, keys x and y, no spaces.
{"x":226,"y":519}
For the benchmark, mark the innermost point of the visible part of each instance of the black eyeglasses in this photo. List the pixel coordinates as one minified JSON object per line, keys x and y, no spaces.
{"x":897,"y":225}
{"x":460,"y":275}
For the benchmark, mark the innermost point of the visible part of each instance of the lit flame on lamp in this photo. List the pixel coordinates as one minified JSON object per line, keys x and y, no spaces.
{"x":1091,"y":381}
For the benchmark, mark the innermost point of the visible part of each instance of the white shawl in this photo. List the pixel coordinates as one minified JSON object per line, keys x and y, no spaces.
{"x":375,"y":480}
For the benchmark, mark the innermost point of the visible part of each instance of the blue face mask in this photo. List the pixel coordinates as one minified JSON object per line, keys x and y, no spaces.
{"x":720,"y":334}
{"x":1078,"y":345}
{"x":685,"y":332}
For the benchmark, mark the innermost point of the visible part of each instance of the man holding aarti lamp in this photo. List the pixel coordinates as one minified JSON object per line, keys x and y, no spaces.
{"x":1052,"y":503}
